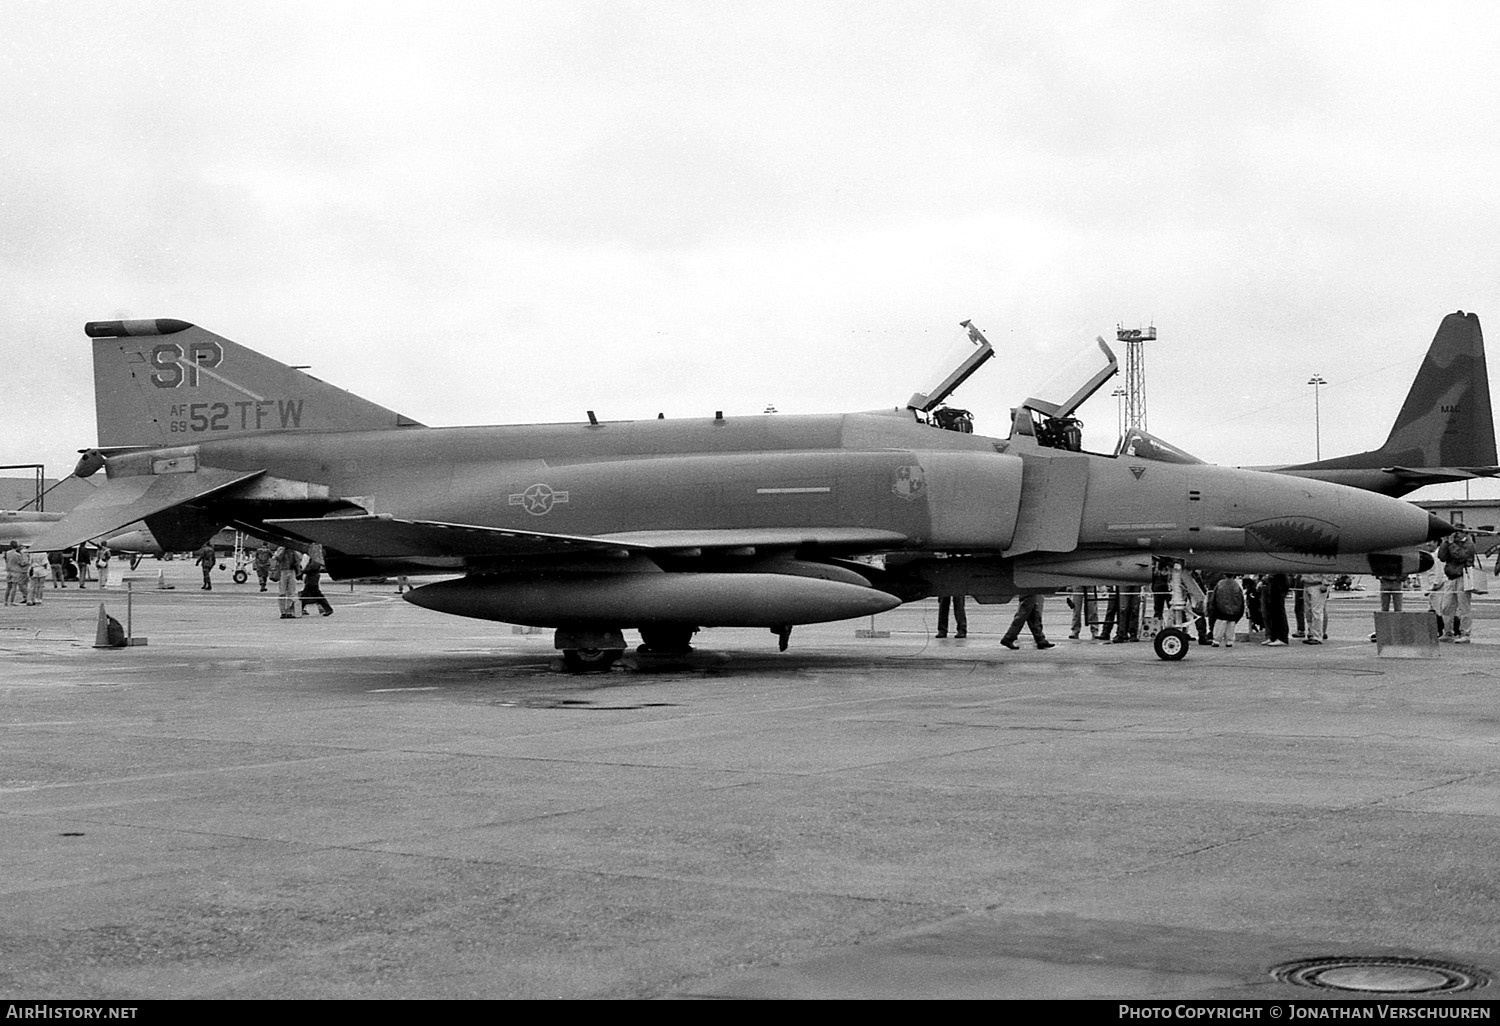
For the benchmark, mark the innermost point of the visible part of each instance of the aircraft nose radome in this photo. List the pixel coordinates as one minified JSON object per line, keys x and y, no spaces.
{"x":1437,"y":528}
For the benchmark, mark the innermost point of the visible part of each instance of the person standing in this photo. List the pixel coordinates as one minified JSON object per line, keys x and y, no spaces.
{"x":1111,"y":613}
{"x":1208,"y":581}
{"x":37,"y":573}
{"x":1028,"y":614}
{"x":1128,"y":627}
{"x":1161,"y":587}
{"x":17,"y":569}
{"x":1252,"y":603}
{"x":1315,"y":590}
{"x":1457,"y":556}
{"x":1203,"y":621}
{"x":55,"y":564}
{"x":1226,"y":604}
{"x":1273,"y":591}
{"x":85,"y":564}
{"x":262,"y":563}
{"x":960,"y":620}
{"x":1390,"y":595}
{"x":1085,"y":609}
{"x":205,"y":558}
{"x":285,"y":569}
{"x":101,"y":564}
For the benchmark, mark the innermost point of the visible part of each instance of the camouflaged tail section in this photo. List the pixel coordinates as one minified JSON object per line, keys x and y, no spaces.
{"x":1446,"y":420}
{"x":166,"y":382}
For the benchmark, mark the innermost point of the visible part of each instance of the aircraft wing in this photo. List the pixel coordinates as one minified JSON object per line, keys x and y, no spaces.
{"x":382,"y":536}
{"x":387,"y":537}
{"x":125,"y":500}
{"x":1439,"y":475}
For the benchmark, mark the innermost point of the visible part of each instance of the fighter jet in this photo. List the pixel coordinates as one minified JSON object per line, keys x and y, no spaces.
{"x":1444,"y":432}
{"x":667,"y":526}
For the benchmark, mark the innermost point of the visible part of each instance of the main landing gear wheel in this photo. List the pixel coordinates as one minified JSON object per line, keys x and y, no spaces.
{"x":1171,"y":643}
{"x":590,"y":660}
{"x":671,"y":639}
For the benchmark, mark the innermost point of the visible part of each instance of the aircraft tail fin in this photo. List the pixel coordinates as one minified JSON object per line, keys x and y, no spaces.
{"x":165,"y":382}
{"x":1446,"y":422}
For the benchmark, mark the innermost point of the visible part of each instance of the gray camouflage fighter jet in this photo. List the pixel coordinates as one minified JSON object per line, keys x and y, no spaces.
{"x":667,"y":526}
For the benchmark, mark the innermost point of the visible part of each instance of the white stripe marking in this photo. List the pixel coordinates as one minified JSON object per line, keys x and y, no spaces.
{"x":192,"y":367}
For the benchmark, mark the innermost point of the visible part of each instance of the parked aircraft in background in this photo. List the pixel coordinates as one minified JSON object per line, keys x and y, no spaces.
{"x":668,"y":526}
{"x":26,"y":526}
{"x":1445,"y":431}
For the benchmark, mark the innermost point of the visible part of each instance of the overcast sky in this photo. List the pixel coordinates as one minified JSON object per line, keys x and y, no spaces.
{"x":506,"y":212}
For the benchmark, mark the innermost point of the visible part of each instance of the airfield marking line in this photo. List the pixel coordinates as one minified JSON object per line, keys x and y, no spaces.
{"x":192,"y":772}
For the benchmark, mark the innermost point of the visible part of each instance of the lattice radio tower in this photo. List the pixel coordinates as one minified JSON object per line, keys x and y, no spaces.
{"x":1135,"y":372}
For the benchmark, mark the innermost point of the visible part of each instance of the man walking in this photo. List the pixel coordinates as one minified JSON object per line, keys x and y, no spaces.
{"x":1028,"y":614}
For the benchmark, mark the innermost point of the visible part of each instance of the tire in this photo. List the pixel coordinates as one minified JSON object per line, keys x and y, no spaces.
{"x":671,"y":639}
{"x":1170,"y":644}
{"x":240,"y":577}
{"x":590,"y":660}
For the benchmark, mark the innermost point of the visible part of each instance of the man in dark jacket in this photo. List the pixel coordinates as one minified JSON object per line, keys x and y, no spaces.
{"x":206,"y":558}
{"x":1273,"y":591}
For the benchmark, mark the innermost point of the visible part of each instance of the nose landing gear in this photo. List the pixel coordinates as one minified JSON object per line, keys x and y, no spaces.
{"x":1171,"y":643}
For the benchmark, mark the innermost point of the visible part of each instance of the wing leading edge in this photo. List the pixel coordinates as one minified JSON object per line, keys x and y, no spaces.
{"x":383,"y":537}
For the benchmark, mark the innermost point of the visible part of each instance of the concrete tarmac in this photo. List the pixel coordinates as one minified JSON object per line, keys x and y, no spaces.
{"x":391,"y":803}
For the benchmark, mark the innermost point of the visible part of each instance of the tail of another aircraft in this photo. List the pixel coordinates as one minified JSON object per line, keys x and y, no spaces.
{"x":166,"y":382}
{"x":1446,"y":429}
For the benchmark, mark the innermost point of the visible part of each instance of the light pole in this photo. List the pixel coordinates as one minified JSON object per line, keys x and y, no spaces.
{"x":1119,"y":395}
{"x":1317,"y":382}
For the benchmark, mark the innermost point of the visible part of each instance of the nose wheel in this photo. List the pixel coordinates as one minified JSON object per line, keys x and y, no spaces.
{"x":1171,"y":643}
{"x":590,"y":660}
